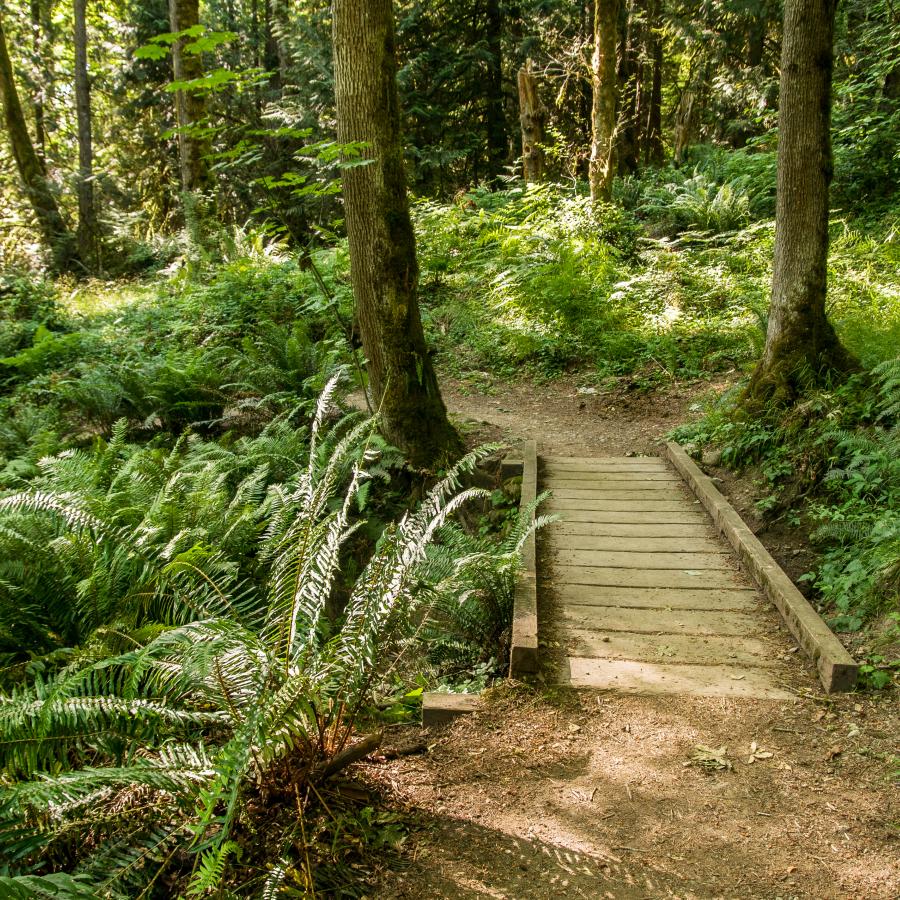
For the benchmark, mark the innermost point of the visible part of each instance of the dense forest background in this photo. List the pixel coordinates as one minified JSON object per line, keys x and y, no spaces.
{"x":216,"y":570}
{"x":695,"y":79}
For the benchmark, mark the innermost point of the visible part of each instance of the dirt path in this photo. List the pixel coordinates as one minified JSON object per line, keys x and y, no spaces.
{"x":553,"y":793}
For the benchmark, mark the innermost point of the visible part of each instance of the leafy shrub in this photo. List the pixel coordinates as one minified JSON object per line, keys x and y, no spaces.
{"x":27,"y":306}
{"x":173,"y":751}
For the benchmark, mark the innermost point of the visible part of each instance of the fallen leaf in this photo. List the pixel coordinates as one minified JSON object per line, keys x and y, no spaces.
{"x":708,"y":758}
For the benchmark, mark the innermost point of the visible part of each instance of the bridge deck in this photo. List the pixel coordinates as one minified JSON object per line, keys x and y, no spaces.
{"x":643,"y":595}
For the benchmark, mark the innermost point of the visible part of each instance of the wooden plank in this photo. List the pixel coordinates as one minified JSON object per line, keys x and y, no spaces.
{"x":442,"y":709}
{"x":837,"y":669}
{"x":631,"y":544}
{"x":625,"y":530}
{"x":629,"y":479}
{"x":658,"y":621}
{"x":655,"y":598}
{"x":523,"y":653}
{"x":600,"y":461}
{"x":644,"y":495}
{"x":612,"y":505}
{"x":684,"y":515}
{"x":633,"y":677}
{"x":626,"y":559}
{"x":694,"y":579}
{"x":672,"y":648}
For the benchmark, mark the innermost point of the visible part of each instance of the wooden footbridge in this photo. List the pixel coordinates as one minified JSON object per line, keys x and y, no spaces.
{"x":651,"y":583}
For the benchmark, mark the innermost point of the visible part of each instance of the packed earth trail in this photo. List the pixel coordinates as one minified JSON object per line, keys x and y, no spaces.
{"x":546,"y":791}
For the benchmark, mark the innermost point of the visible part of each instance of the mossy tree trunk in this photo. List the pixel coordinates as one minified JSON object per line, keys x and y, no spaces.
{"x":801,"y":346}
{"x":88,"y":228}
{"x":54,"y":231}
{"x":190,"y":107}
{"x":383,"y":265}
{"x":605,"y":90}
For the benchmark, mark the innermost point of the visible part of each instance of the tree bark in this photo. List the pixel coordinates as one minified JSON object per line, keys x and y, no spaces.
{"x":54,"y":232}
{"x":532,"y":115}
{"x":802,"y":348}
{"x":37,"y":47}
{"x":383,"y":266}
{"x":653,"y":145}
{"x":88,"y":230}
{"x":190,"y":108}
{"x":605,"y":89}
{"x":495,"y":121}
{"x":630,"y":74}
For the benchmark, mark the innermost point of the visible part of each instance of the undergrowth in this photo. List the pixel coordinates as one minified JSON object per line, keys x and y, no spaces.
{"x":536,"y":279}
{"x":835,"y":461}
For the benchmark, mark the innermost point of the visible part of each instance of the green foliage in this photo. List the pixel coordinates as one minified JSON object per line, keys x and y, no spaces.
{"x":473,"y":587}
{"x":251,"y":679}
{"x":842,"y":450}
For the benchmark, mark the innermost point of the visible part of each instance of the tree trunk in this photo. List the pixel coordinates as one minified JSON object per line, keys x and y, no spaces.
{"x":40,"y":130}
{"x":55,"y":233}
{"x":190,"y":108}
{"x":628,"y":140}
{"x":605,"y":88}
{"x":88,"y":230}
{"x":801,"y":345}
{"x":532,"y":115}
{"x":685,"y":123}
{"x":495,"y":121}
{"x":383,"y":266}
{"x":653,"y":146}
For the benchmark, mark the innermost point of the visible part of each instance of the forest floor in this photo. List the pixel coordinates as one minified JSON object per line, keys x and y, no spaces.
{"x":547,"y":792}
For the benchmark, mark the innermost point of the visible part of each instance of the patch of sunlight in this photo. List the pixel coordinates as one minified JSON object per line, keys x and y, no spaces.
{"x":98,"y":298}
{"x":666,"y":319}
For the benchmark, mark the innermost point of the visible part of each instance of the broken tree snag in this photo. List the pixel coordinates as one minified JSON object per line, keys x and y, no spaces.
{"x":532,"y":115}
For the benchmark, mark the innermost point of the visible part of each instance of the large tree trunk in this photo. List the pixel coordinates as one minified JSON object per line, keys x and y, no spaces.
{"x":801,"y":345}
{"x":653,"y":144}
{"x":383,"y":266}
{"x":630,"y":74}
{"x":532,"y":115}
{"x":55,"y":233}
{"x":605,"y":88}
{"x":495,"y":120}
{"x":88,"y":231}
{"x":190,"y":109}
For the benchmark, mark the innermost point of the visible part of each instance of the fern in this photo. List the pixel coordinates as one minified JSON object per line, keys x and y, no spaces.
{"x":249,"y":665}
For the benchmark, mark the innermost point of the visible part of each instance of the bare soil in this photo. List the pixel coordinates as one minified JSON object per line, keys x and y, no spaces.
{"x":547,"y":792}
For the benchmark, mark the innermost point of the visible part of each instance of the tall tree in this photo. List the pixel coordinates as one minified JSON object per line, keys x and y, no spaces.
{"x":532,"y":116}
{"x":37,"y":48}
{"x":801,"y":345}
{"x":603,"y":110}
{"x":383,"y":266}
{"x":653,"y":143}
{"x":631,"y":82}
{"x":88,"y":230}
{"x":495,"y":120}
{"x":54,"y":231}
{"x":190,"y":108}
